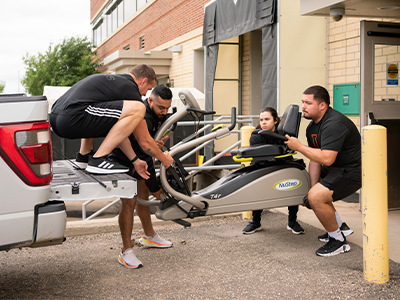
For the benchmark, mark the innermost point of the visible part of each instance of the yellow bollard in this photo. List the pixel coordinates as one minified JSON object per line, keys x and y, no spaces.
{"x":374,"y":204}
{"x":245,"y":133}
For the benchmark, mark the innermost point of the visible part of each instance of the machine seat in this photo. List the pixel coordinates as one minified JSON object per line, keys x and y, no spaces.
{"x":259,"y":151}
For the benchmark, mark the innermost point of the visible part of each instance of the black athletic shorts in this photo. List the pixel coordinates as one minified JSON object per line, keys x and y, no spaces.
{"x":342,"y":182}
{"x":152,"y":183}
{"x":89,"y":121}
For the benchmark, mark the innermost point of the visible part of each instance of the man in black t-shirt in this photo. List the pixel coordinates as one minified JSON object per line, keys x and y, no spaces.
{"x":110,"y":106}
{"x":334,"y":150}
{"x":157,"y":106}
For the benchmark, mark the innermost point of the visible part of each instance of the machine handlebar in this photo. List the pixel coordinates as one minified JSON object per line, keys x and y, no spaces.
{"x":200,"y":111}
{"x":272,"y":134}
{"x":233,"y":119}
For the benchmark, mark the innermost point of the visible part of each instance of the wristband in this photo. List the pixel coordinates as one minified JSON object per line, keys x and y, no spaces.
{"x":134,"y":159}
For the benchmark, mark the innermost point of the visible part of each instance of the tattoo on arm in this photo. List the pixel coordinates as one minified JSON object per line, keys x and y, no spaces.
{"x":148,"y":152}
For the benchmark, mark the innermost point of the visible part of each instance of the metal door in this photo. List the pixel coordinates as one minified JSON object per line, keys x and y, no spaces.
{"x":380,"y":55}
{"x":380,"y":91}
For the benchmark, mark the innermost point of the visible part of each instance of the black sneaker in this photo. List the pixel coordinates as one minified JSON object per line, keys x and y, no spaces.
{"x":251,"y":228}
{"x":295,"y":227}
{"x":82,"y":160}
{"x":333,"y":247}
{"x":104,"y":165}
{"x":344,"y":228}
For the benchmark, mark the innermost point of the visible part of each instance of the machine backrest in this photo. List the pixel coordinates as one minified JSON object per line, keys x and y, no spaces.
{"x":290,"y":121}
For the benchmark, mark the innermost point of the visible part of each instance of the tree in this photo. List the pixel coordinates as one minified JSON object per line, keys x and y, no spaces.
{"x":63,"y":65}
{"x":2,"y":86}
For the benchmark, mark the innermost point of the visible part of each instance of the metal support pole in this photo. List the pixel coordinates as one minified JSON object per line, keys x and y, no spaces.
{"x":375,"y":204}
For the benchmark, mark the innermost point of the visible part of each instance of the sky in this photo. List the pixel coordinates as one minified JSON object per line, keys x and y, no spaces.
{"x":30,"y":26}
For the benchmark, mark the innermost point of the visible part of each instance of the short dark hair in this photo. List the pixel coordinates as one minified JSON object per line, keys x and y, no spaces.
{"x":320,"y":94}
{"x":162,"y":91}
{"x":143,"y":71}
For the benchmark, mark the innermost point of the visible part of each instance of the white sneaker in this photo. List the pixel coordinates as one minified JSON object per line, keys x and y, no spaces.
{"x":154,"y":241}
{"x":129,"y":260}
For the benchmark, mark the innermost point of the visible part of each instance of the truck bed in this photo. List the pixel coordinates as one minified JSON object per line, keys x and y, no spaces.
{"x":70,"y":183}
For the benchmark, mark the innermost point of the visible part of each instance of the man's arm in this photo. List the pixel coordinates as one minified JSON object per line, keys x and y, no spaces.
{"x":149,"y":146}
{"x":322,"y":157}
{"x":314,"y":170}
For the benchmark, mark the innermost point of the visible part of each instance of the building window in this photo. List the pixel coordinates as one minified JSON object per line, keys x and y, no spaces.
{"x":140,"y":3}
{"x":97,"y":33}
{"x":120,"y":10}
{"x":127,"y":47}
{"x":141,"y":42}
{"x":113,"y":16}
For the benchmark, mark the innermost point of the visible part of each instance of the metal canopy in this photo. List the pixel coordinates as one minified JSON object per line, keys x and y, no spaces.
{"x":353,"y":8}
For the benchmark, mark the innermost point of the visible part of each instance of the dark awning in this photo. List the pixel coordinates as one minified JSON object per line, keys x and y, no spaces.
{"x":225,"y":19}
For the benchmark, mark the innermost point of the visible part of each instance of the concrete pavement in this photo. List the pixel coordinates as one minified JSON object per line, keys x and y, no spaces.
{"x":349,"y":212}
{"x":211,"y":260}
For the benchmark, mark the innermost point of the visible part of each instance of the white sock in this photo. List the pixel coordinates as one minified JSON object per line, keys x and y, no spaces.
{"x":337,"y":235}
{"x":338,"y":219}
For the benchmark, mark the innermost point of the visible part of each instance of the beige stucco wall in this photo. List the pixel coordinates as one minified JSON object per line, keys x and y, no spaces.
{"x":301,"y":56}
{"x":226,"y":92}
{"x":181,"y":70}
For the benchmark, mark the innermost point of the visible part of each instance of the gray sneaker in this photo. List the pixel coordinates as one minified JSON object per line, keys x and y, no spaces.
{"x":129,"y":260}
{"x":154,"y":241}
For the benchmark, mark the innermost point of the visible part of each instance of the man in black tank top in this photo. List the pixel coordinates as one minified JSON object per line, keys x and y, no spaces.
{"x":334,"y":150}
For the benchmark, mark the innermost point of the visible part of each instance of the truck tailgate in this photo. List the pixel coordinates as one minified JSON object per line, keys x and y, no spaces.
{"x":70,"y":183}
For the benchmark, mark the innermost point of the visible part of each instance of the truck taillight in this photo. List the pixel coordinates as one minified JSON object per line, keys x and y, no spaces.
{"x":26,"y":148}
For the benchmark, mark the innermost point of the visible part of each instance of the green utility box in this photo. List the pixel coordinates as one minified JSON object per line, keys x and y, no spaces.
{"x":346,"y":98}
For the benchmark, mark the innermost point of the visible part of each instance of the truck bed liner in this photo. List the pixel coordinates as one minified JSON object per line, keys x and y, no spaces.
{"x":70,"y":183}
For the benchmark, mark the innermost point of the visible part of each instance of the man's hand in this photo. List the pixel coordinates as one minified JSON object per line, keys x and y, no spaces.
{"x":141,"y":168}
{"x":293,"y":143}
{"x":168,"y":160}
{"x":160,"y":143}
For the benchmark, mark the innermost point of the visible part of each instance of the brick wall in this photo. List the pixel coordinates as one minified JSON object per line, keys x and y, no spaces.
{"x":95,"y":6}
{"x":160,"y":22}
{"x":343,"y":51}
{"x":245,"y":61}
{"x":343,"y":57}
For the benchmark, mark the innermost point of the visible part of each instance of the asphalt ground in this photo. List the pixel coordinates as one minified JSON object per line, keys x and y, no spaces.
{"x":210,"y":260}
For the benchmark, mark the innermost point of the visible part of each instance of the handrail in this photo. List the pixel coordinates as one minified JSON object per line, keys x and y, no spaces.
{"x":222,"y":119}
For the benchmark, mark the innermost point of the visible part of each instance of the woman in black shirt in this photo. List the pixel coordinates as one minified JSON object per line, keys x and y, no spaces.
{"x":269,"y":120}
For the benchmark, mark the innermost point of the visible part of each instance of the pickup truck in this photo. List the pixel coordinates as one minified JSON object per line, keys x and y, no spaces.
{"x":33,"y":188}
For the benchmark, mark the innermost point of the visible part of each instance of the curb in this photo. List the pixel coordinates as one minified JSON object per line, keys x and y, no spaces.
{"x":77,"y":228}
